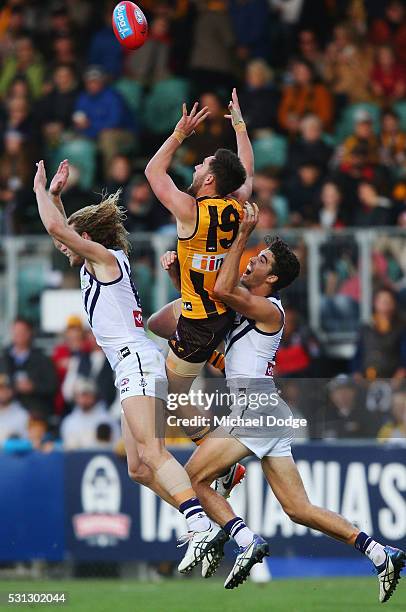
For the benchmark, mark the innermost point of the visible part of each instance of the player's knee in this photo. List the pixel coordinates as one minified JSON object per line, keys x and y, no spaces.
{"x":297,"y":512}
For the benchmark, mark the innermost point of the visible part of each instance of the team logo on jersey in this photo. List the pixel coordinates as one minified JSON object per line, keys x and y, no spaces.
{"x":124,"y":382}
{"x":85,"y":283}
{"x":138,"y":318}
{"x":269,"y":369}
{"x":208,"y":263}
{"x":187,"y":306}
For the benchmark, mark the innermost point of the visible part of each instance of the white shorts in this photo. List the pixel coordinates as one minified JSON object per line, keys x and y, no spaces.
{"x":142,"y":373}
{"x":268,"y":447}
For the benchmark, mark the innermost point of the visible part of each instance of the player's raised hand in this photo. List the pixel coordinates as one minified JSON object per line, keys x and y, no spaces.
{"x":235,"y":111}
{"x":250,"y":218}
{"x":60,"y":179}
{"x":168,"y":260}
{"x":40,"y":179}
{"x":188,"y":123}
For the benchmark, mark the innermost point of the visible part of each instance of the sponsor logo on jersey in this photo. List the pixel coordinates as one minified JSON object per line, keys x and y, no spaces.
{"x":124,"y":390}
{"x":124,"y":382}
{"x":269,"y":369}
{"x":122,"y":353}
{"x":207,"y":263}
{"x":121,"y":20}
{"x":186,"y":306}
{"x":143,"y":382}
{"x":138,"y":318}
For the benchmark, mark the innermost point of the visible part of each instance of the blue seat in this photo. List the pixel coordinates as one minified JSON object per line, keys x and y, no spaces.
{"x":132,"y":93}
{"x":400,"y":109}
{"x":163,"y":105}
{"x":270,"y":151}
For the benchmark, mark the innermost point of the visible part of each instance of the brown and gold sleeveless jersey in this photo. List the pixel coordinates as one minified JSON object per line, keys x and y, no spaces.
{"x":200,"y":256}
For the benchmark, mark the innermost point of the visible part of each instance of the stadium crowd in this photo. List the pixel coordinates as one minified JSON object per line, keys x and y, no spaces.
{"x":325,"y":107}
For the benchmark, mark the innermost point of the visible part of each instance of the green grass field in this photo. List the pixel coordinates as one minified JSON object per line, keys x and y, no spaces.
{"x":190,"y":595}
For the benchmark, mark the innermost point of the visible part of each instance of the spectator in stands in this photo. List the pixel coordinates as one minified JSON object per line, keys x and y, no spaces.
{"x":267,"y":191}
{"x":375,"y":209}
{"x":24,"y":61}
{"x":64,"y":53}
{"x":54,"y":111}
{"x":395,"y":429}
{"x":13,"y":417}
{"x":72,"y":346}
{"x":119,"y":173}
{"x":32,"y":373}
{"x":213,"y":134}
{"x":303,"y":192}
{"x":18,"y":115}
{"x":212,"y":60}
{"x":151,"y":63}
{"x":13,"y":25}
{"x":381,"y":348}
{"x":392,"y":143}
{"x":260,"y":98}
{"x":105,"y":50}
{"x":309,"y":146}
{"x":388,"y":77}
{"x":16,"y":168}
{"x":79,"y":429}
{"x":309,"y":49}
{"x":250,"y":24}
{"x":391,"y":29}
{"x":89,"y":363}
{"x":302,"y":97}
{"x":298,"y":349}
{"x":362,"y":142}
{"x":38,"y":433}
{"x":345,"y":416}
{"x":329,"y":213}
{"x":141,"y":208}
{"x":347,"y":67}
{"x":100,"y":113}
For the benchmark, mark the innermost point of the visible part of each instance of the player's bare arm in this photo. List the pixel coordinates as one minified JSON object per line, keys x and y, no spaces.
{"x":245,"y":152}
{"x":170,"y":263}
{"x":101,"y":260}
{"x":228,"y":287}
{"x":181,"y":204}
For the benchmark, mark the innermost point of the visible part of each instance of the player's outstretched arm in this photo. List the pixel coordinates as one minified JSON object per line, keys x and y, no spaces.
{"x":245,"y":152}
{"x":170,"y":263}
{"x":179,"y":203}
{"x":227,"y":287}
{"x":57,"y":227}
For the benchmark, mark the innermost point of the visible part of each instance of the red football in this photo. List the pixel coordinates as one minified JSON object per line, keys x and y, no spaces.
{"x":129,"y":25}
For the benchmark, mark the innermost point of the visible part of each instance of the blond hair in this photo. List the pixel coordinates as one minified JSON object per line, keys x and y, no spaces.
{"x":103,"y":222}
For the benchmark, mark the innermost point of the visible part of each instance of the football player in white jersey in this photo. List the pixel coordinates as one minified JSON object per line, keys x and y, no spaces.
{"x":95,"y":239}
{"x":250,"y":352}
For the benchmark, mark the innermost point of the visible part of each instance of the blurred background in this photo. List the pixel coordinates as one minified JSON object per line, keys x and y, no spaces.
{"x":322,"y":87}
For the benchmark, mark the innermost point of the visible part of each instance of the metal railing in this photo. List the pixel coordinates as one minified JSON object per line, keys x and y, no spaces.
{"x":30,"y":264}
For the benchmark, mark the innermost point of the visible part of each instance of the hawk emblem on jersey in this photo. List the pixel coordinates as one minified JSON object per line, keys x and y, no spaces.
{"x":269,"y":369}
{"x":138,"y":318}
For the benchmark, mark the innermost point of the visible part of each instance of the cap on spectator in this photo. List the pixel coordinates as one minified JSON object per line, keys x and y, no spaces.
{"x":85,"y":385}
{"x":74,"y":321}
{"x":94,"y":72}
{"x":340,"y":381}
{"x":5,"y":380}
{"x":362,"y":116}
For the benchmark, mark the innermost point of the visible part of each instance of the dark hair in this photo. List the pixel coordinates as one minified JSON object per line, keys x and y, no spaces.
{"x":228,"y":171}
{"x":286,"y":266}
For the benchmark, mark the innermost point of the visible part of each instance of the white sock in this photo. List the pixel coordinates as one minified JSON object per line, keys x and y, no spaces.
{"x":376,"y":553}
{"x":242,"y":534}
{"x":196,"y":518}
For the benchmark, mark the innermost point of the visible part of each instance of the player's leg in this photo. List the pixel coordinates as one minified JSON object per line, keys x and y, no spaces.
{"x":145,"y":417}
{"x":286,"y":483}
{"x":163,"y":323}
{"x":138,"y":471}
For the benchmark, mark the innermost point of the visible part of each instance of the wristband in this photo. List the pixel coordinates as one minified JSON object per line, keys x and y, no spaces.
{"x":240,"y":127}
{"x":179,"y":135}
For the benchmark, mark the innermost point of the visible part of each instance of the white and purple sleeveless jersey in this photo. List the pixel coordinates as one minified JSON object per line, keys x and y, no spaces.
{"x":114,"y":312}
{"x":250,"y":352}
